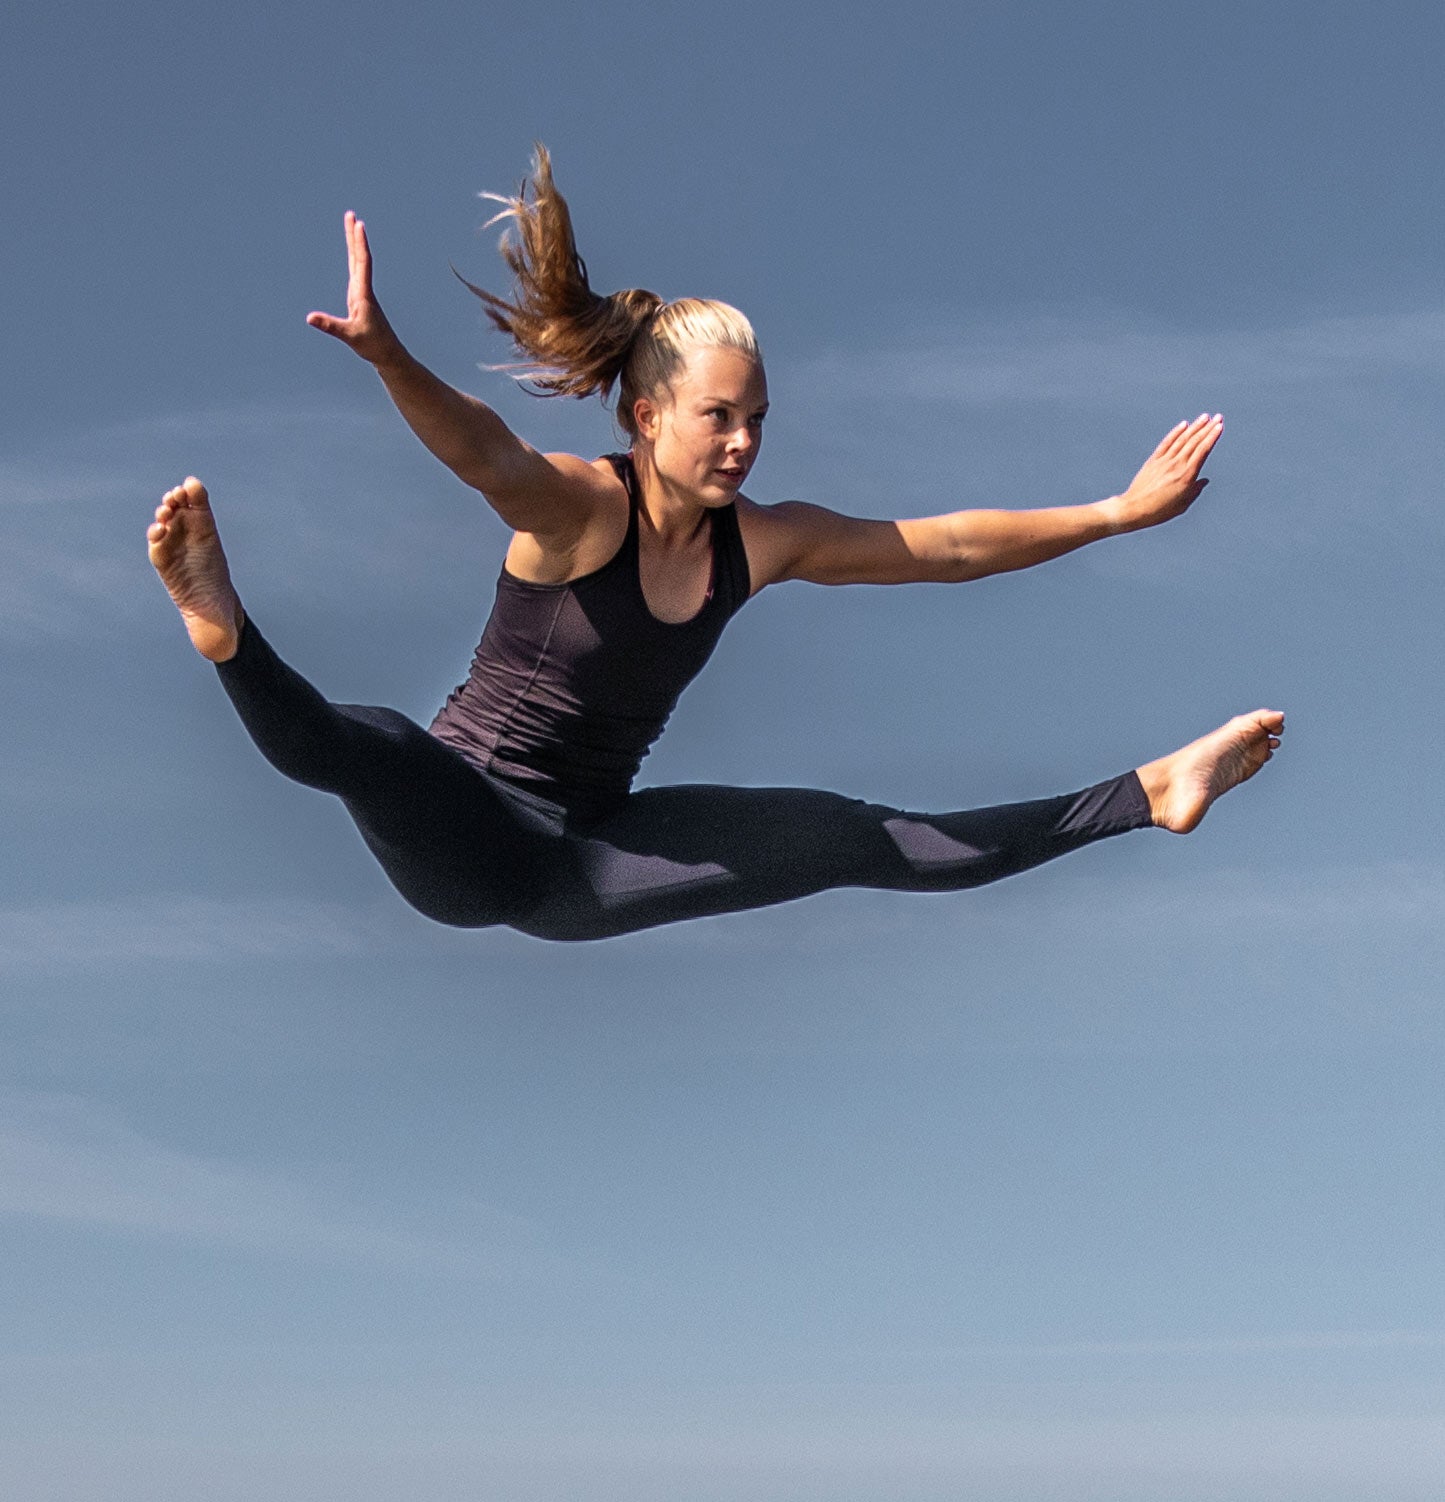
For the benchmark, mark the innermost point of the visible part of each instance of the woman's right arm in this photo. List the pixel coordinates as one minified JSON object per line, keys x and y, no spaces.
{"x":548,"y":496}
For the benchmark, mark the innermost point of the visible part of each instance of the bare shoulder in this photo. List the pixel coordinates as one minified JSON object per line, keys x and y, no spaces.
{"x":596,"y":475}
{"x":565,"y":481}
{"x":785,"y":540}
{"x":582,"y":527}
{"x":766,"y":533}
{"x":547,"y":494}
{"x":596,"y":489}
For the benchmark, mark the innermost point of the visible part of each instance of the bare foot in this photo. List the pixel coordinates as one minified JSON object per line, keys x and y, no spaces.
{"x":186,"y":551}
{"x":1181,"y":787}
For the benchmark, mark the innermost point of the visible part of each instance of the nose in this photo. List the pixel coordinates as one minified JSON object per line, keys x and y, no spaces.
{"x":742,"y":440}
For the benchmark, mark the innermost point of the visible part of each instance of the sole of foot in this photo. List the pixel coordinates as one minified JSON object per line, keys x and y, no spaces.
{"x":185,"y":550}
{"x":1181,"y":787}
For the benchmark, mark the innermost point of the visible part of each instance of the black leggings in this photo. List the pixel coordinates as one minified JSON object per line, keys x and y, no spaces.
{"x":468,"y":849}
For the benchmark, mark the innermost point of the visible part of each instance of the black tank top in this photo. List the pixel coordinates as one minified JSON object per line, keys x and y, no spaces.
{"x":572,"y":683}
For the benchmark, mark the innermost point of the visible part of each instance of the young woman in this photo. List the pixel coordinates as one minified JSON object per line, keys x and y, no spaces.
{"x":516,"y":807}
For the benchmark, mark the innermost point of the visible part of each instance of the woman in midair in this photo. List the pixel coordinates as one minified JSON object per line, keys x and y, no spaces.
{"x":516,"y":806}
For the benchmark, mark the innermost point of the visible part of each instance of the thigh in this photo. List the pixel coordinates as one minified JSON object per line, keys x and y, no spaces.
{"x":685,"y":852}
{"x":452,"y":840}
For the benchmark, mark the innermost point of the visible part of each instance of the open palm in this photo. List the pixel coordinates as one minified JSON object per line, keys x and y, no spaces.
{"x":364,"y":329}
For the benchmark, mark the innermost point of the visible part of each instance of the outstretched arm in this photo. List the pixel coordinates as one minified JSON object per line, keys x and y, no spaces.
{"x":547,"y":495}
{"x":799,"y":541}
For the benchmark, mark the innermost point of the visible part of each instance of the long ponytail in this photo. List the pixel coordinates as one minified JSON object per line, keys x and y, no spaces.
{"x":574,"y":342}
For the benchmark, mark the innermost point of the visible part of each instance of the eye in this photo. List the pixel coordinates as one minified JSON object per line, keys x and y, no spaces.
{"x":756,"y":420}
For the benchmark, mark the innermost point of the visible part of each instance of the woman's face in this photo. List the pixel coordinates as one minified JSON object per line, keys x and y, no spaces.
{"x":705,"y":432}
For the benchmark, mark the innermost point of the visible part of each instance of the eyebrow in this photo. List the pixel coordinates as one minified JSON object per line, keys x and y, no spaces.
{"x":722,"y":401}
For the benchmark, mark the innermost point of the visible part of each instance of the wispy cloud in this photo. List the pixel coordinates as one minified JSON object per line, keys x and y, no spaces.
{"x":101,"y":465}
{"x":1220,"y":960}
{"x":65,"y":1159}
{"x":1398,"y":896}
{"x":1406,"y":899}
{"x":170,"y":928}
{"x":313,"y":499}
{"x":1281,"y":1343}
{"x":1104,"y":362}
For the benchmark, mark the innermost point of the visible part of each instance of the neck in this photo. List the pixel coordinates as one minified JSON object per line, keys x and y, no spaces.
{"x":673,"y":513}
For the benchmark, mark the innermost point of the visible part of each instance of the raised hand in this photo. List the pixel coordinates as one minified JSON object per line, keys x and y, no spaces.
{"x":364,"y":329}
{"x":1169,"y":483}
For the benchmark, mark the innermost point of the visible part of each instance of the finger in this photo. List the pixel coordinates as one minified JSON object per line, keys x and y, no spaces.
{"x":1182,"y":435}
{"x":1196,"y":441}
{"x":358,"y":253}
{"x":1201,"y":442}
{"x":1168,"y":440}
{"x":353,"y":250}
{"x":336,"y":327}
{"x":1193,"y":429}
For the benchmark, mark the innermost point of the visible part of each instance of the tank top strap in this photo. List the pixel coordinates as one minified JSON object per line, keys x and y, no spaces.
{"x":625,"y":471}
{"x":731,"y":575}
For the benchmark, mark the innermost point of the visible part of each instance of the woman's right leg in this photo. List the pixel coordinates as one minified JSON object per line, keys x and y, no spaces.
{"x":455,"y":848}
{"x":459,"y":851}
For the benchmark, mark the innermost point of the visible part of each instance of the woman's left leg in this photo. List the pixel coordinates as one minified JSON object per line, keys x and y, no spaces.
{"x":690,"y":852}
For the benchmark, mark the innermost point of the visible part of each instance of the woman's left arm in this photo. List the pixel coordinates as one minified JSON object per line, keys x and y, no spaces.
{"x":799,"y":541}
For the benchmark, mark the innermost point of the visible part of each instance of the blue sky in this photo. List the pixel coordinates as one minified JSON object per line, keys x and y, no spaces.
{"x":1116,"y":1181}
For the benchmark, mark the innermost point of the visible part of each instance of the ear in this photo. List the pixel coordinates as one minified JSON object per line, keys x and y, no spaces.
{"x":647,"y":418}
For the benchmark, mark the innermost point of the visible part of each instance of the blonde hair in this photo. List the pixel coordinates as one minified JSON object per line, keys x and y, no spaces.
{"x":576,"y":343}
